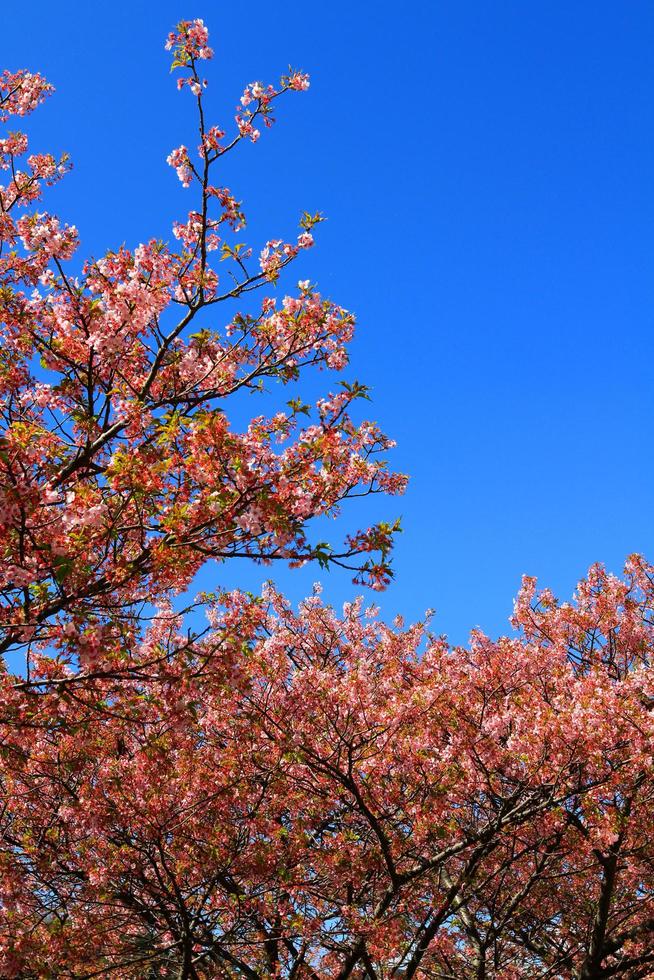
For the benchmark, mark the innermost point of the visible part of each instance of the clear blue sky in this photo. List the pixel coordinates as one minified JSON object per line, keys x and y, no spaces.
{"x":487,"y":173}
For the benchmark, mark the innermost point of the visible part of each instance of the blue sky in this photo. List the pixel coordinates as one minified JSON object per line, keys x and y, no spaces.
{"x":486,"y":169}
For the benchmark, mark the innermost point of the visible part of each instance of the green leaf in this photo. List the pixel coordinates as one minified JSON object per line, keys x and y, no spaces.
{"x":63,"y":568}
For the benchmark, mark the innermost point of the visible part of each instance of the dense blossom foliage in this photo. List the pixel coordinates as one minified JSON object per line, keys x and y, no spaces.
{"x":276,"y":792}
{"x":300,"y":795}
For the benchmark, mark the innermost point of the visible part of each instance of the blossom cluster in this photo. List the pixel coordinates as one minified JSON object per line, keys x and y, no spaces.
{"x":189,"y":41}
{"x":21,"y":92}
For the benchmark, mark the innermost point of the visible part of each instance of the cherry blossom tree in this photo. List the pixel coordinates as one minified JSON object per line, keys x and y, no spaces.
{"x":299,"y":794}
{"x":278,"y":792}
{"x":120,"y":475}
